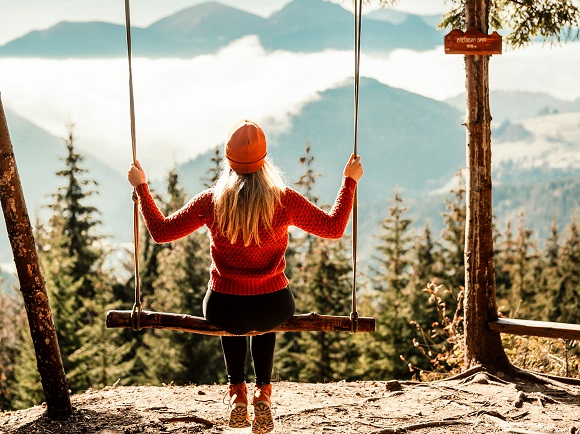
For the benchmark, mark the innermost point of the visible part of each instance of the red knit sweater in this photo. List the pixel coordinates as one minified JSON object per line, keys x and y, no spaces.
{"x":253,"y":269}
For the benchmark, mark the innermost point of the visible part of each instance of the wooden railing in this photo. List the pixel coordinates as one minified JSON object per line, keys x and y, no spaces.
{"x":546,"y":329}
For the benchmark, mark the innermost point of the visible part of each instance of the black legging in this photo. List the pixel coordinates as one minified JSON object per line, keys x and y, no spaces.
{"x":240,"y":314}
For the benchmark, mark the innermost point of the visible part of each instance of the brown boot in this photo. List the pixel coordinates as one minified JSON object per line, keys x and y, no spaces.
{"x":239,"y":416}
{"x":263,"y":420}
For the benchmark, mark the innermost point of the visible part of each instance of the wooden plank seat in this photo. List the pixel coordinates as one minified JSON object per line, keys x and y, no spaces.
{"x":545,"y":329}
{"x":193,"y":324}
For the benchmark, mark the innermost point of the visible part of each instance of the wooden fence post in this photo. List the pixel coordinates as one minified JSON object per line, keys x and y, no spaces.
{"x":48,"y":358}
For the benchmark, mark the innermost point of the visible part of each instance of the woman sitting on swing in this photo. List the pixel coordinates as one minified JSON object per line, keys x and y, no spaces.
{"x":248,"y":212}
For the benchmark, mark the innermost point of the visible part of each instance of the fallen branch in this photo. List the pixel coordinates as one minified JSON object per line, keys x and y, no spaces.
{"x":484,"y":378}
{"x":195,"y":419}
{"x":465,"y":374}
{"x":558,"y":379}
{"x":454,"y":420}
{"x":326,"y":407}
{"x":430,"y":424}
{"x":507,"y":427}
{"x":542,"y":378}
{"x":447,"y":388}
{"x":522,"y":431}
{"x":461,"y":375}
{"x":322,"y":407}
{"x":497,"y":415}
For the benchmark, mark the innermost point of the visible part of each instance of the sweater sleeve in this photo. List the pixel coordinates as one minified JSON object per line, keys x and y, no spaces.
{"x":177,"y":225}
{"x":308,"y":217}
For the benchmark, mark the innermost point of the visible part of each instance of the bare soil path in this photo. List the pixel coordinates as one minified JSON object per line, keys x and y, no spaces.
{"x":473,"y":405}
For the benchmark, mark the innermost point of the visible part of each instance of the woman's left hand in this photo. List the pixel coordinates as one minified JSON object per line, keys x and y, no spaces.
{"x":353,"y":168}
{"x":136,"y":175}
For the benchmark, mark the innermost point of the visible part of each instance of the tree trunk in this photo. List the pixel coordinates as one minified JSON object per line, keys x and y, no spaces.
{"x":482,"y":345}
{"x":48,"y":358}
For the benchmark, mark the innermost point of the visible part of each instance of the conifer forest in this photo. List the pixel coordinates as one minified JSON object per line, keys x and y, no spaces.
{"x":412,"y":285}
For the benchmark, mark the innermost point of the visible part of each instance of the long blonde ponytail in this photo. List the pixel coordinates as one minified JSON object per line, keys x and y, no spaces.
{"x":244,"y":202}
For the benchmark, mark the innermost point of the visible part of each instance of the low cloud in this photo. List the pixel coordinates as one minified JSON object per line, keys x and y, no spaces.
{"x":185,"y":106}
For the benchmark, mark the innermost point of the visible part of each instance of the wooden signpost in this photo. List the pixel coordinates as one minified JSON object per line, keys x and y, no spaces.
{"x":472,"y":42}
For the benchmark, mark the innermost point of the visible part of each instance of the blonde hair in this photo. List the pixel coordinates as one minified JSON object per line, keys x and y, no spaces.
{"x":243,"y":202}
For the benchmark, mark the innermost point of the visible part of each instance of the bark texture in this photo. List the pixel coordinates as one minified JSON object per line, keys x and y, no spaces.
{"x":482,"y":345}
{"x":48,"y":357}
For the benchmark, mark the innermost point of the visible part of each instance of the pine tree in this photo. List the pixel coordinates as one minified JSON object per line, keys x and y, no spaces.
{"x":100,"y":361}
{"x":12,"y":321}
{"x":148,"y":256}
{"x":424,"y":304}
{"x":524,"y":270}
{"x":307,"y":181}
{"x":149,"y":269}
{"x":29,"y":391}
{"x":453,"y":237}
{"x":327,"y":285}
{"x":76,"y":220}
{"x":565,"y":295}
{"x":149,"y":250}
{"x":287,"y":364}
{"x":71,"y":256}
{"x":550,"y":277}
{"x":435,"y":303}
{"x":214,"y":169}
{"x":391,"y":277}
{"x":428,"y":263}
{"x":394,"y":263}
{"x":320,"y":281}
{"x":503,"y":261}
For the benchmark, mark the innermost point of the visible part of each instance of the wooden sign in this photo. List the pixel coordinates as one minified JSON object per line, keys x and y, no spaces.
{"x":472,"y":42}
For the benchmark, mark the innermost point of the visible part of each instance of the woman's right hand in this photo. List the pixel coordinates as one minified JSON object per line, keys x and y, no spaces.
{"x":136,"y":175}
{"x":353,"y":168}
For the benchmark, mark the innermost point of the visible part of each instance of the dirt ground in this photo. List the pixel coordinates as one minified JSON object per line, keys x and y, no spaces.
{"x":477,"y":404}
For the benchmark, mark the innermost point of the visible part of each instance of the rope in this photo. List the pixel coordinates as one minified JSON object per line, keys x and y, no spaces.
{"x":137,"y":308}
{"x":357,"y":38}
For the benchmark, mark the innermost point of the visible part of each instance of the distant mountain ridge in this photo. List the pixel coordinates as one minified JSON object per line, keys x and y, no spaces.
{"x":416,"y":145}
{"x":513,"y":105}
{"x":528,"y":150}
{"x":396,"y":152}
{"x":38,"y":157}
{"x":301,"y":25}
{"x":407,"y":141}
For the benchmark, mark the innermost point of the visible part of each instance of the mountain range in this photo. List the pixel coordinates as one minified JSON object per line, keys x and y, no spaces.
{"x":514,"y":105}
{"x":408,"y":142}
{"x":301,"y":25}
{"x":39,"y":155}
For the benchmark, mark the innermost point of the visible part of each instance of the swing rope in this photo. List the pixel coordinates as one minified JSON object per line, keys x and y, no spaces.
{"x":138,"y":319}
{"x":357,"y":38}
{"x":137,"y":307}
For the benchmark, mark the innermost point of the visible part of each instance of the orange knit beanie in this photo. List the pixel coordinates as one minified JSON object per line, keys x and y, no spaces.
{"x":246,"y":147}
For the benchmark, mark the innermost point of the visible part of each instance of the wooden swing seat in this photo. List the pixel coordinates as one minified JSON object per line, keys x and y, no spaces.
{"x":194,"y":324}
{"x":523,"y":327}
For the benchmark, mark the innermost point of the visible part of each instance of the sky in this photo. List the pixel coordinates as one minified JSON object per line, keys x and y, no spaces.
{"x":185,"y":106}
